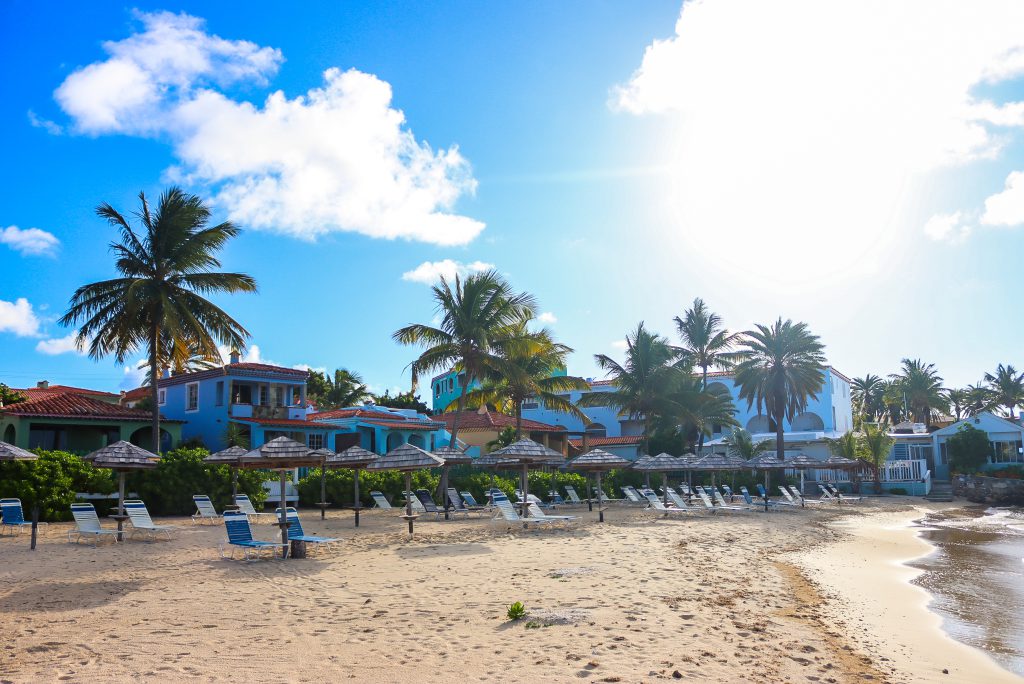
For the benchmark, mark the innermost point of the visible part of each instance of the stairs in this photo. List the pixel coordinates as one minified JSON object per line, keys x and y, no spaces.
{"x":942,"y":490}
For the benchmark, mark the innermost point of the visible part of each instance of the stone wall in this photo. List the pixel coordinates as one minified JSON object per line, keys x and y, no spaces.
{"x":989,"y":490}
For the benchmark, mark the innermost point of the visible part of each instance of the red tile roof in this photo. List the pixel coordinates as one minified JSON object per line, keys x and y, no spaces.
{"x":354,"y":412}
{"x":420,"y":425}
{"x":607,"y":441}
{"x":136,"y":394}
{"x":244,"y":368}
{"x":284,"y":422}
{"x":473,"y":420}
{"x":78,"y":406}
{"x":53,"y":390}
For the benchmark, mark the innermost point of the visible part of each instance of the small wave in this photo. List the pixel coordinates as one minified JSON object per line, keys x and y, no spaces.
{"x":994,"y":520}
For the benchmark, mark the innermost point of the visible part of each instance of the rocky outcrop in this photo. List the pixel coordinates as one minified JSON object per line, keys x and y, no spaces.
{"x":990,"y":490}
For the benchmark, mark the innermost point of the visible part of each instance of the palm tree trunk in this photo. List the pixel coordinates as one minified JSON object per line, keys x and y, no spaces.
{"x":154,"y":390}
{"x":780,"y":441}
{"x":700,"y":433}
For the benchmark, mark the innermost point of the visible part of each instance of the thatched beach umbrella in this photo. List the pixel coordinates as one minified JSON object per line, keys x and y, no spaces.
{"x":596,"y":461}
{"x":231,"y":457}
{"x":526,"y":452}
{"x":121,"y":457}
{"x":356,"y":458}
{"x":802,"y":462}
{"x":9,"y":452}
{"x":767,"y":462}
{"x":280,"y":454}
{"x":835,"y":462}
{"x":664,"y":464}
{"x":406,"y":459}
{"x":714,"y":463}
{"x":451,"y":456}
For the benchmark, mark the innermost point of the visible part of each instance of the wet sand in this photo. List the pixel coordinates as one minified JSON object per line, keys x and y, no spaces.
{"x":710,"y":599}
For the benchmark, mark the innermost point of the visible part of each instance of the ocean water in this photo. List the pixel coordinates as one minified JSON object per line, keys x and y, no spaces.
{"x":976,"y":578}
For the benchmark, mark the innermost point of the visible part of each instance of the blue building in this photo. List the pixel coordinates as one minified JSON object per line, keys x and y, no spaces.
{"x":446,"y":387}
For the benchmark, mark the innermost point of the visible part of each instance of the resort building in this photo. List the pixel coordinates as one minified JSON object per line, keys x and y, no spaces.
{"x":1005,"y":436}
{"x":478,"y":428}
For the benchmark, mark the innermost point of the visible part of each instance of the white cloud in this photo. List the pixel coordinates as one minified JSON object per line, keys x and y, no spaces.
{"x":49,"y":126}
{"x":801,"y":124}
{"x":950,"y":228}
{"x":17,"y":317}
{"x":59,"y":345}
{"x":547,"y":317}
{"x":429,"y":272}
{"x":134,"y":375}
{"x":251,"y":354}
{"x":30,"y":241}
{"x":338,"y":158}
{"x":1007,"y":207}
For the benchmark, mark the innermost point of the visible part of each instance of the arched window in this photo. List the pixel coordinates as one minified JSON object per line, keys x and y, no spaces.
{"x":808,"y":422}
{"x":597,"y":430}
{"x":718,"y":388}
{"x":9,"y":434}
{"x":760,"y":424}
{"x":417,"y":440}
{"x":394,"y":440}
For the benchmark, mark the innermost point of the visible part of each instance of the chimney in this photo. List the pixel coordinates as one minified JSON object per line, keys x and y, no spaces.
{"x":43,"y":384}
{"x":234,"y":356}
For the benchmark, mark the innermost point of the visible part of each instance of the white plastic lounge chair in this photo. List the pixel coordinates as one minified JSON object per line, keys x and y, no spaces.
{"x":138,"y":515}
{"x":759,"y":503}
{"x":12,"y":515}
{"x":296,"y":533}
{"x":507,"y":513}
{"x":379,"y":500}
{"x":204,"y":510}
{"x":679,"y":501}
{"x":827,"y":496}
{"x":535,"y":512}
{"x":599,"y":495}
{"x":472,"y":504}
{"x":658,"y":507}
{"x":710,"y":506}
{"x":840,"y":496}
{"x":796,"y":498}
{"x":573,"y":496}
{"x":87,"y":524}
{"x":417,"y":507}
{"x":722,"y":503}
{"x":240,"y":537}
{"x":534,"y":499}
{"x":631,"y":494}
{"x":245,"y":506}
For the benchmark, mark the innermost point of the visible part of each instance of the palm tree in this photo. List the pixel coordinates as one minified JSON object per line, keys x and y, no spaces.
{"x":785,"y":366}
{"x":921,"y":388}
{"x":643,"y":383}
{"x":706,"y":342}
{"x":346,"y":388}
{"x":959,"y":401}
{"x":477,"y":317}
{"x":166,"y":269}
{"x":694,"y":409}
{"x":179,"y":356}
{"x":741,"y":443}
{"x":868,"y":395}
{"x":1007,"y":386}
{"x":979,"y":398}
{"x":875,"y":447}
{"x":525,"y":372}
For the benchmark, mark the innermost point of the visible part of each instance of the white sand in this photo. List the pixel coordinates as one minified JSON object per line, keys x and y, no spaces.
{"x":710,"y":599}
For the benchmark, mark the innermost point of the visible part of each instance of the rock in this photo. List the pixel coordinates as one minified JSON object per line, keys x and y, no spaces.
{"x":676,"y":674}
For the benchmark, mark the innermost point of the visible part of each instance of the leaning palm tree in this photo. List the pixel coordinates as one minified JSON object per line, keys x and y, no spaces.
{"x":1007,"y":387}
{"x":166,"y":268}
{"x":705,"y":341}
{"x":643,"y":383}
{"x":921,"y":388}
{"x":478,"y":316}
{"x":741,"y":443}
{"x":785,"y":366}
{"x":525,"y":371}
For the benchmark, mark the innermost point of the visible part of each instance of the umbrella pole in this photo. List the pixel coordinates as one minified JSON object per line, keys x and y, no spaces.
{"x":600,"y":508}
{"x":664,"y":488}
{"x":408,"y":498}
{"x":284,"y":515}
{"x":590,"y":504}
{"x":323,"y":492}
{"x":801,"y":488}
{"x":355,"y":499}
{"x":766,"y":480}
{"x":120,"y":507}
{"x":234,"y":483}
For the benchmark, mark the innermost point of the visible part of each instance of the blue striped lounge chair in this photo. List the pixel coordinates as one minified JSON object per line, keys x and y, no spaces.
{"x":87,"y":524}
{"x":240,"y":537}
{"x":296,"y":533}
{"x":460,"y":506}
{"x":13,"y":516}
{"x":205,"y":512}
{"x":138,"y":515}
{"x":379,"y":500}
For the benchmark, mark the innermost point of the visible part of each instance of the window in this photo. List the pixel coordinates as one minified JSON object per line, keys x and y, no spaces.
{"x":192,"y":396}
{"x":315,"y":442}
{"x":161,"y":397}
{"x":277,"y":392}
{"x":1007,"y":452}
{"x":531,"y":403}
{"x":451,"y":384}
{"x":263,"y":394}
{"x":437,"y":390}
{"x":220,"y":393}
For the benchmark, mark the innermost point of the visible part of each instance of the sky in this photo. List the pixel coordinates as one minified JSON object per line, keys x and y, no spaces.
{"x":855,"y":165}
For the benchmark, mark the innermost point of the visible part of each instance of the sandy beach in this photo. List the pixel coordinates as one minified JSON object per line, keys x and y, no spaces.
{"x":789,"y":596}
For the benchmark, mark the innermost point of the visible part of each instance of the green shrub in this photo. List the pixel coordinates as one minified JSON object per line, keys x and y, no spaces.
{"x":517,"y":611}
{"x":52,"y":481}
{"x":968,"y":449}
{"x":168,"y":488}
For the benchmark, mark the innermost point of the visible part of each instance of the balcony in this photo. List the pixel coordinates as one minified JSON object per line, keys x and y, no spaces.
{"x":263,"y":412}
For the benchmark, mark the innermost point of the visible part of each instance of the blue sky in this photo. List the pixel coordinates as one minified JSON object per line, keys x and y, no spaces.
{"x":849,"y":166}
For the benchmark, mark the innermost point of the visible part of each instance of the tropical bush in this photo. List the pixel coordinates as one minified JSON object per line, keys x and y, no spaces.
{"x":969,"y":449}
{"x":51,"y":482}
{"x":168,"y":488}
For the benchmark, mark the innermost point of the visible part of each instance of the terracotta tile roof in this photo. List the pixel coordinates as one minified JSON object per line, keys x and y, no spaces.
{"x":601,"y":383}
{"x":408,"y":425}
{"x":474,"y":420}
{"x":838,"y":374}
{"x":78,"y":406}
{"x":136,"y":394}
{"x":243,"y":369}
{"x":356,"y":412}
{"x":53,"y":390}
{"x":284,"y":422}
{"x":607,"y":441}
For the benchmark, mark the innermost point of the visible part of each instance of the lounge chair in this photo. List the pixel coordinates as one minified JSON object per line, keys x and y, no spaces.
{"x":798,"y":498}
{"x":507,"y":513}
{"x":532,"y":498}
{"x":677,"y":500}
{"x":535,"y":512}
{"x":772,"y":505}
{"x":12,"y":515}
{"x":460,"y":506}
{"x":827,"y":496}
{"x":379,"y":500}
{"x":240,"y":537}
{"x":427,"y":502}
{"x":729,"y":494}
{"x":722,"y":503}
{"x":709,"y":504}
{"x":138,"y":515}
{"x":417,"y":507}
{"x":631,"y":494}
{"x":840,"y":496}
{"x":573,"y":496}
{"x":600,"y":496}
{"x":296,"y":533}
{"x":555,"y":498}
{"x":245,"y":506}
{"x":204,"y":510}
{"x":471,"y":502}
{"x":658,"y":507}
{"x":87,"y":524}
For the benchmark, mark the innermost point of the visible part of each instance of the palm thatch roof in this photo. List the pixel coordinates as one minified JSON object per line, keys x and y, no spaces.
{"x":767,"y":460}
{"x":528,"y":450}
{"x":280,"y":453}
{"x":597,"y":459}
{"x":353,"y":457}
{"x":717,"y":462}
{"x":122,"y":455}
{"x":9,"y":452}
{"x":662,"y":463}
{"x":230,"y":455}
{"x":838,"y":463}
{"x":453,"y":456}
{"x":803,"y":462}
{"x":406,"y":457}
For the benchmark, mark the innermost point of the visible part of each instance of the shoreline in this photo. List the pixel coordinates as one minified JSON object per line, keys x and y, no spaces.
{"x":865,"y":578}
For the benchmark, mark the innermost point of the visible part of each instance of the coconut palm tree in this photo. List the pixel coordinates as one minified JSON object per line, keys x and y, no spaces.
{"x":868,"y":396}
{"x":921,"y":388}
{"x":478,"y":316}
{"x":525,"y":372}
{"x":705,"y":341}
{"x":1007,"y":387}
{"x":875,"y":445}
{"x":643,"y":383}
{"x":741,"y":443}
{"x":979,"y":398}
{"x":959,"y":401}
{"x":784,"y":367}
{"x":166,"y":268}
{"x":694,"y":410}
{"x":345,"y":388}
{"x":179,"y":356}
